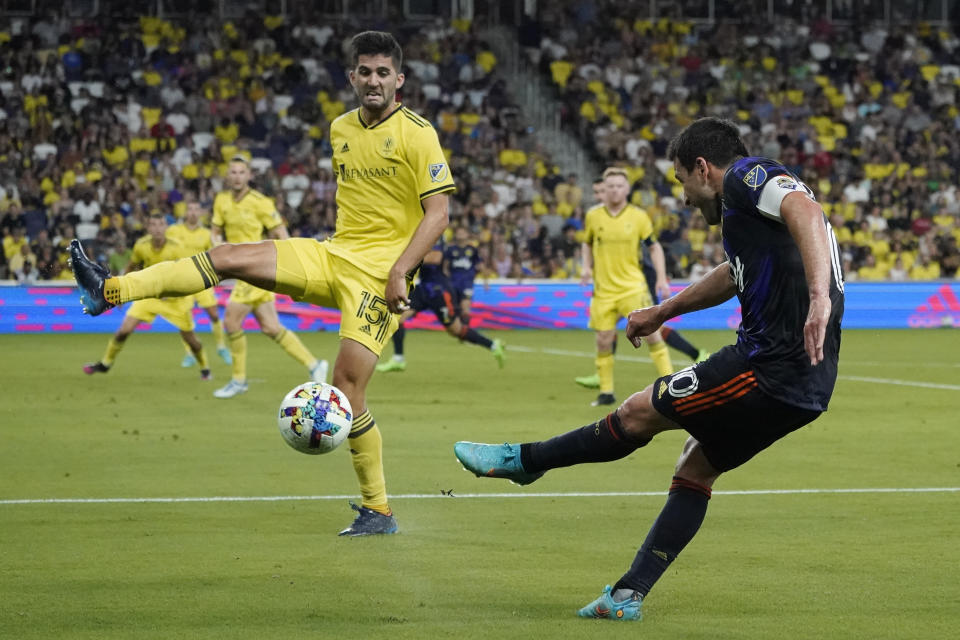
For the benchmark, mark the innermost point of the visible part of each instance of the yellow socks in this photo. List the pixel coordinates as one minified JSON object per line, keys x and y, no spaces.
{"x":365,"y":450}
{"x":292,"y":345}
{"x":216,"y":328}
{"x":661,"y":358}
{"x":604,"y":363}
{"x":178,"y":278}
{"x":113,"y":348}
{"x":238,"y":349}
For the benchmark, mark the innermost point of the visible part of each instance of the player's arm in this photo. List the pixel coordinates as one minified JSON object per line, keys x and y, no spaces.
{"x":586,"y":256}
{"x":435,"y":219}
{"x":804,"y":219}
{"x":660,"y":266}
{"x":216,"y":234}
{"x":715,"y":288}
{"x":279,"y":232}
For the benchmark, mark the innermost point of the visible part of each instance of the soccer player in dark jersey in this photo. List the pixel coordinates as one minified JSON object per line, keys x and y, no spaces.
{"x":461,"y":261}
{"x":783,"y":265}
{"x":434,"y":292}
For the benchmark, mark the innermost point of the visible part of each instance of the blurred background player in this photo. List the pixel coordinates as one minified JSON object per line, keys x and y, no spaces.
{"x":435,"y":292}
{"x":461,"y":262}
{"x":614,"y":231}
{"x":195,"y":238}
{"x":672,"y":337}
{"x":147,"y":251}
{"x":241,"y":214}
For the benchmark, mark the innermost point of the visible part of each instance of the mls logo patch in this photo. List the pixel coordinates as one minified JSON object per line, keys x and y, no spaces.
{"x":755,"y":177}
{"x":438,"y":172}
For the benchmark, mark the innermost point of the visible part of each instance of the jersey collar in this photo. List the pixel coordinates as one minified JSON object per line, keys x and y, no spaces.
{"x":366,"y":126}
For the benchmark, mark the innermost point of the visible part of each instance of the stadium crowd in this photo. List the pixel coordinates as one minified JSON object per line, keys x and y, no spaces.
{"x":103,"y":121}
{"x":867,"y":117}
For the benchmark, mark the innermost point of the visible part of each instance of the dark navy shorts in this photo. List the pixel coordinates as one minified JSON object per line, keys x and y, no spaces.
{"x":720,"y":403}
{"x":441,"y":301}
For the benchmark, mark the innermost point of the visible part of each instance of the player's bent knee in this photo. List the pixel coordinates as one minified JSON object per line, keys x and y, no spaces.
{"x":638,"y":417}
{"x":694,"y":466}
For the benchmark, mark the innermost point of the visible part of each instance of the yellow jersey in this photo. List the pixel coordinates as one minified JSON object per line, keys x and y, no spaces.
{"x":194,"y":240}
{"x":245,"y":220}
{"x":383,"y":172}
{"x":615,"y":242}
{"x":146,"y":255}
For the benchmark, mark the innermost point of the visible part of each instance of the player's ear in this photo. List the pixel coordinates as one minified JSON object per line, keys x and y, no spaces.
{"x":701,"y":164}
{"x":400,"y":79}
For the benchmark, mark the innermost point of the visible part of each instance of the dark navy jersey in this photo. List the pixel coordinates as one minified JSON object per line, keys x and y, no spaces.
{"x":432,"y":277}
{"x":462,"y":264}
{"x":650,"y":275}
{"x":768,"y":272}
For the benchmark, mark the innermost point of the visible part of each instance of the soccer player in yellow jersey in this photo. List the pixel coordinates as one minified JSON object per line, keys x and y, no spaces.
{"x":242,"y":214}
{"x":196,"y":239}
{"x":392,"y":204}
{"x":614,"y":231}
{"x":154,"y":248}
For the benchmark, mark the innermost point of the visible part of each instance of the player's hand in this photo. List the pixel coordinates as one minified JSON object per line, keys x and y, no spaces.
{"x":815,"y":328}
{"x":586,"y":276}
{"x":396,"y":293}
{"x":642,"y":322}
{"x":663,"y":289}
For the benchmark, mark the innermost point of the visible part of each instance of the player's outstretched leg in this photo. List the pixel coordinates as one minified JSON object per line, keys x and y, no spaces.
{"x":90,"y":278}
{"x":600,"y":441}
{"x":607,"y":606}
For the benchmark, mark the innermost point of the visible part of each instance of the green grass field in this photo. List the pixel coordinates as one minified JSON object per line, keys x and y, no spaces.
{"x":496,"y":560}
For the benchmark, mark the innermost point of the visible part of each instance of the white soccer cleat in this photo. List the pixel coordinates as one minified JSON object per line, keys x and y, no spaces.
{"x":233,"y":388}
{"x":319,"y":371}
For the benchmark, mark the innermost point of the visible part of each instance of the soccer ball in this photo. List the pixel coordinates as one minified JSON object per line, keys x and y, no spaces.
{"x":315,"y":417}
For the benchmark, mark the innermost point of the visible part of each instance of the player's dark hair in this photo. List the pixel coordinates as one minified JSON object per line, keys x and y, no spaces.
{"x":372,"y":43}
{"x":715,"y":140}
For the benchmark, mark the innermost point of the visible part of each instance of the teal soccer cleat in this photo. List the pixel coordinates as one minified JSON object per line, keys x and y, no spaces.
{"x":606,"y":607}
{"x":188,"y":360}
{"x":224,"y":354}
{"x":494,"y":461}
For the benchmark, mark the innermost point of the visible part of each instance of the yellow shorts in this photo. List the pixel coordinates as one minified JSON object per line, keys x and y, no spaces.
{"x":176,"y":311}
{"x":206,"y":298}
{"x":306,"y":270}
{"x":245,"y":293}
{"x":605,"y":312}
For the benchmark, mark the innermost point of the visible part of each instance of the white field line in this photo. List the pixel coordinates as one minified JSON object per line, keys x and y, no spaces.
{"x":433,"y":496}
{"x":890,"y":381}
